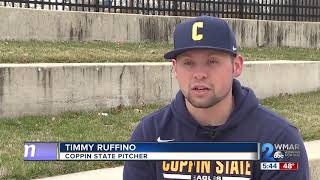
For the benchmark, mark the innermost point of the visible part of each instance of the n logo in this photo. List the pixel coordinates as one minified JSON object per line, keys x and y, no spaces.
{"x":26,"y":150}
{"x":38,"y":151}
{"x":195,"y":35}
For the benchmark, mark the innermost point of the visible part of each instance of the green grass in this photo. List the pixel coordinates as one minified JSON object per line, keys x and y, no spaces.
{"x":81,"y":126}
{"x":91,"y":52}
{"x":283,"y":53}
{"x":301,"y":109}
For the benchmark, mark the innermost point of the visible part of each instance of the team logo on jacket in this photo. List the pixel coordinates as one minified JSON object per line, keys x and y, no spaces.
{"x":207,"y":170}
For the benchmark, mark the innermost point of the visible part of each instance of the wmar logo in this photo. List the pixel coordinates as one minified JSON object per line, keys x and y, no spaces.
{"x":279,"y":152}
{"x":267,"y":152}
{"x":272,"y":152}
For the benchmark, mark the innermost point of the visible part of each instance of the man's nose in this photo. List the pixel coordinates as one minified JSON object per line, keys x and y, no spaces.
{"x":200,"y":72}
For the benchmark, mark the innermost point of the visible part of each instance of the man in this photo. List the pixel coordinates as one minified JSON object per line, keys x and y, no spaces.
{"x":212,"y":106}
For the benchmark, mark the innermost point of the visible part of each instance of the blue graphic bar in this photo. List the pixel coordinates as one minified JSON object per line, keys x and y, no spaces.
{"x":36,"y":151}
{"x":157,"y":147}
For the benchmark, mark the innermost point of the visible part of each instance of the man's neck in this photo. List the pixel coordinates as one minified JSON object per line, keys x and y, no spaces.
{"x":215,"y":115}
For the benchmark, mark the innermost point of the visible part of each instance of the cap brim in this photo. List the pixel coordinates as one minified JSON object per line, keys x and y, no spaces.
{"x":173,"y":54}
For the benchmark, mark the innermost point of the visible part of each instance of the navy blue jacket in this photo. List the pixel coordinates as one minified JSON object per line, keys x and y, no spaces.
{"x":249,"y":122}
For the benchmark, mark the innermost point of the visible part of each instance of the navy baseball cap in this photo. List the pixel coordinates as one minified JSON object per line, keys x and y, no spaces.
{"x":204,"y":32}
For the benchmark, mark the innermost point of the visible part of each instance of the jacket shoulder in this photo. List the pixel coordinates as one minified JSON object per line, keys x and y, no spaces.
{"x":147,"y":128}
{"x":275,"y":125}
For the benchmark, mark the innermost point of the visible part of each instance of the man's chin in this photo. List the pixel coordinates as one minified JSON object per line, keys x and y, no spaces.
{"x":201,"y":104}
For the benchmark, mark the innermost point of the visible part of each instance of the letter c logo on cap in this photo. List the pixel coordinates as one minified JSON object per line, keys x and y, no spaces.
{"x":195,"y":35}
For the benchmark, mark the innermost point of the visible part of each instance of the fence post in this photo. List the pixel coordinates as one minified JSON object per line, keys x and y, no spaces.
{"x":241,"y":9}
{"x":294,"y":10}
{"x":174,"y":7}
{"x":97,"y":5}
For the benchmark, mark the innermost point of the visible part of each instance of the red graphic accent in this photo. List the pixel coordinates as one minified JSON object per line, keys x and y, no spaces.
{"x":291,"y":166}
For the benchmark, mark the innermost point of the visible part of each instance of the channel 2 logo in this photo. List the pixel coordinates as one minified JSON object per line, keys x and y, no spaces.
{"x":269,"y":153}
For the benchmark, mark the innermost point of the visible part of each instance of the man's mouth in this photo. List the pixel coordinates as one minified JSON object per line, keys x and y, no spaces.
{"x":200,"y":89}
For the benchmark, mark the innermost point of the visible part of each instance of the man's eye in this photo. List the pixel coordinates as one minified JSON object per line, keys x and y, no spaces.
{"x":188,"y":63}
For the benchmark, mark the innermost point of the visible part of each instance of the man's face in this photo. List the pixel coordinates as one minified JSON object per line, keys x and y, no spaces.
{"x":205,"y":76}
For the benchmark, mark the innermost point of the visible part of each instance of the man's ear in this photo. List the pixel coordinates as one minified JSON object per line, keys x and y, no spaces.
{"x":237,"y":66}
{"x":174,"y":65}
